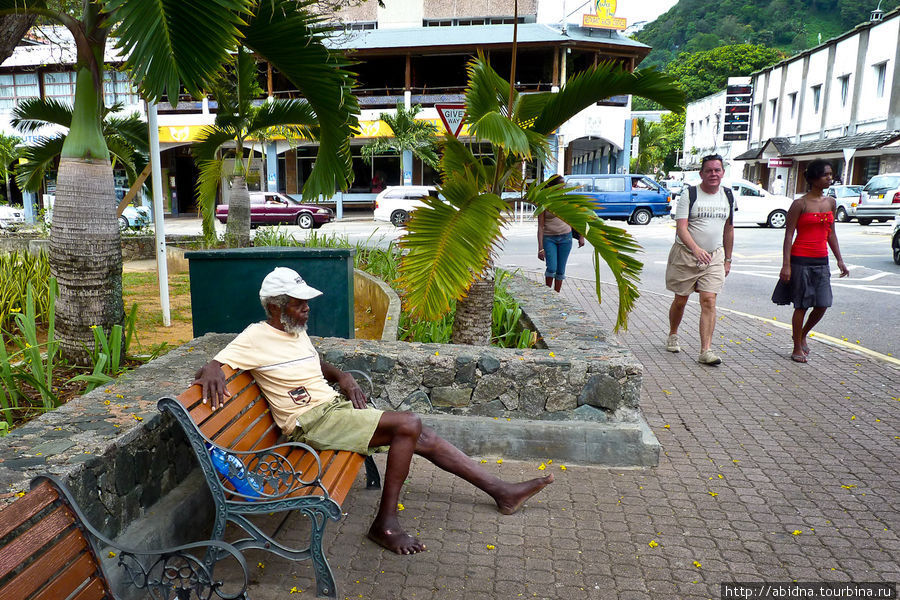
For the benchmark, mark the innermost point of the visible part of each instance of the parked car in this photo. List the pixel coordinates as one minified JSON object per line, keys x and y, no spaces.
{"x":895,"y":240}
{"x":847,"y":199}
{"x":394,"y":203}
{"x":755,"y":206}
{"x":11,"y":217}
{"x":134,"y":217}
{"x":630,"y":197}
{"x":272,"y":208}
{"x":880,"y":199}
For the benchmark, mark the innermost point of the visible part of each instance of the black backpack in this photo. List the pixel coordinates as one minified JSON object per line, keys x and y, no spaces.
{"x":692,"y":195}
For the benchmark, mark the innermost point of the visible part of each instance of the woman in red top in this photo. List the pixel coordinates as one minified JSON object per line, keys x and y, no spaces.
{"x":805,"y":278}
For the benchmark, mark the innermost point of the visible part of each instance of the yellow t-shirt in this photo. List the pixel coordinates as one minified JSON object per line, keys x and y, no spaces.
{"x":285,"y":366}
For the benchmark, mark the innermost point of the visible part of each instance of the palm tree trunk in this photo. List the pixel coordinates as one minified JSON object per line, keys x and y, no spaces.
{"x":85,"y":255}
{"x":472,"y":322}
{"x":237,"y":229}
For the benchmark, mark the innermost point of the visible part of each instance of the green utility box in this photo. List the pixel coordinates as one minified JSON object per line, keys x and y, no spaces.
{"x":225,"y":287}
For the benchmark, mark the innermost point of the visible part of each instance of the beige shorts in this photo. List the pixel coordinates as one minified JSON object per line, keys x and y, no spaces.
{"x":336,"y":425}
{"x":684,"y":275}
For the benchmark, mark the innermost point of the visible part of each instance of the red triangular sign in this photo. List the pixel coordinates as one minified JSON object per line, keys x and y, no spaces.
{"x":451,"y":116}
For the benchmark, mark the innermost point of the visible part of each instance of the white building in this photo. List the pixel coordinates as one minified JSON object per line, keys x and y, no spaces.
{"x":704,"y":134}
{"x":839,"y":101}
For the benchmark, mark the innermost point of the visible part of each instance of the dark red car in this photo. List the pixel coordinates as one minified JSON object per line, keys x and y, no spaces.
{"x":272,"y":208}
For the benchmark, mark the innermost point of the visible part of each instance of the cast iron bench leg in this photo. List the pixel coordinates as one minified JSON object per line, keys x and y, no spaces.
{"x":373,"y":479}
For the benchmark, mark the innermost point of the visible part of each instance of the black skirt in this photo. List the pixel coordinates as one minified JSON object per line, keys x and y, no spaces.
{"x":809,"y":286}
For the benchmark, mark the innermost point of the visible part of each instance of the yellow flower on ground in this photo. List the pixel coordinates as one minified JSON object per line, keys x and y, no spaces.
{"x":294,"y":590}
{"x":653,"y":544}
{"x":483,"y":461}
{"x":713,"y":494}
{"x":796,"y":532}
{"x":400,"y":506}
{"x":697,"y":564}
{"x":563,"y":467}
{"x":260,"y":565}
{"x":666,"y":426}
{"x":721,"y":476}
{"x":853,"y":418}
{"x":436,"y":353}
{"x":112,"y":554}
{"x":542,"y":467}
{"x":667,"y":392}
{"x":847,"y":487}
{"x":552,"y":355}
{"x":499,"y":461}
{"x":491,"y":547}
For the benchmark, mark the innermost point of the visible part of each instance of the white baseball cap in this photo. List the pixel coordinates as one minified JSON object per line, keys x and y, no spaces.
{"x":287,"y":282}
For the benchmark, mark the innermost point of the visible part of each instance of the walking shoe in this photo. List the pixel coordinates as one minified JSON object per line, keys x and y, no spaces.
{"x":672,"y":343}
{"x":708,"y":358}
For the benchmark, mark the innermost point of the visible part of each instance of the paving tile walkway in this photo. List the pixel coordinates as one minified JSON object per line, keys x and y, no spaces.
{"x":771,"y":471}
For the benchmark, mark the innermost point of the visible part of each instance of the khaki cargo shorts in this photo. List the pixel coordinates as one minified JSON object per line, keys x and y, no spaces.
{"x":336,"y":425}
{"x":684,"y":275}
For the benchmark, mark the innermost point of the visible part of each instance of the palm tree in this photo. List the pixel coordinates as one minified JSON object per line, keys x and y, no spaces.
{"x":126,"y":138}
{"x":8,"y":153}
{"x":451,"y":243}
{"x":171,"y":46}
{"x":239,"y":120}
{"x":650,"y":147}
{"x":419,"y":138}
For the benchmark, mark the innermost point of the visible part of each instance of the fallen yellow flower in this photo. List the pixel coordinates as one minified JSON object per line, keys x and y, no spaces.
{"x":490,"y":546}
{"x":666,"y":426}
{"x":400,"y":506}
{"x":653,"y":544}
{"x":542,"y":467}
{"x":563,"y":467}
{"x":697,"y":564}
{"x":499,"y":461}
{"x":713,"y":494}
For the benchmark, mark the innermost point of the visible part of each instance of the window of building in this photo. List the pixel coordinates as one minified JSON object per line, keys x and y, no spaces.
{"x":793,"y":98}
{"x":845,"y":88}
{"x":880,"y":72}
{"x":773,"y":106}
{"x":60,"y":86}
{"x":475,"y":21}
{"x":117,"y":88}
{"x":817,"y":96}
{"x":757,"y":113}
{"x":16,"y":87}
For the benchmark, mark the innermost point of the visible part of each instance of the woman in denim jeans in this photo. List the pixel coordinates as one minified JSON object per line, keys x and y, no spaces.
{"x":554,"y":243}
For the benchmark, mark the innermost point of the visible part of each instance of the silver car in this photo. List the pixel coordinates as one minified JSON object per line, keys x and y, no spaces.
{"x":880,"y":199}
{"x":11,"y":217}
{"x":847,"y":199}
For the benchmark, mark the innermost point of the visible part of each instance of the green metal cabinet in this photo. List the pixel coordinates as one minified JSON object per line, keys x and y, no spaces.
{"x":225,"y":287}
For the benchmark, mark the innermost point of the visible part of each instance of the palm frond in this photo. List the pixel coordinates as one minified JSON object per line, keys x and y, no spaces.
{"x":458,"y":158}
{"x":448,"y":244}
{"x":605,"y":80}
{"x":123,"y":154}
{"x":132,"y":129}
{"x":32,"y":114}
{"x":613,"y":245}
{"x":486,"y":92}
{"x":528,"y":107}
{"x":246,"y":86}
{"x":39,"y":156}
{"x":211,"y":138}
{"x":210,"y":174}
{"x":501,"y":131}
{"x":297,"y":114}
{"x":288,"y":35}
{"x":175,"y":44}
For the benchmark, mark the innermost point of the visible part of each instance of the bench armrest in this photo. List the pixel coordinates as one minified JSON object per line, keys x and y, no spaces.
{"x":167,"y":571}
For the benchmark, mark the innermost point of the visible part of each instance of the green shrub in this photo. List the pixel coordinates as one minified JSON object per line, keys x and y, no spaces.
{"x":18,"y":270}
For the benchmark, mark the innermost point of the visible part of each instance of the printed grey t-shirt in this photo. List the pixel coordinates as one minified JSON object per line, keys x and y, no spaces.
{"x":707,"y":219}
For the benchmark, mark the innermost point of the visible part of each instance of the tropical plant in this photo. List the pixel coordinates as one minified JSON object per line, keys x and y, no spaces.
{"x":126,"y":138}
{"x":8,"y":153}
{"x":171,"y":46}
{"x":240,"y":120}
{"x":20,"y":272}
{"x":411,"y":137}
{"x":650,"y":150}
{"x":451,"y":242}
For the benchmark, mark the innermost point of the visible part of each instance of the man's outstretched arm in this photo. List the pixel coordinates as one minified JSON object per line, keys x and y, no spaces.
{"x":212,"y":381}
{"x":346,"y":382}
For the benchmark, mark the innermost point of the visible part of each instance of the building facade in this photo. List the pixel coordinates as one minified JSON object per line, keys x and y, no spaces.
{"x":409,"y":52}
{"x":839,"y":101}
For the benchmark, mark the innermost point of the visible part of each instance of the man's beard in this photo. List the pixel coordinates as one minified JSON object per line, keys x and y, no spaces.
{"x":292,"y":325}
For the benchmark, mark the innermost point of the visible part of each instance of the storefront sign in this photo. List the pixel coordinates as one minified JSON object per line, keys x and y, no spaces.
{"x":781,"y":162}
{"x":605,"y":16}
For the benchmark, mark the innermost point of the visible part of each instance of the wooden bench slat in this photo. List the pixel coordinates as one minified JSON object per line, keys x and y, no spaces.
{"x":342,"y":474}
{"x":34,"y":539}
{"x":84,"y":569}
{"x":222,"y":420}
{"x":264,"y":434}
{"x":26,"y":507}
{"x":44,"y":568}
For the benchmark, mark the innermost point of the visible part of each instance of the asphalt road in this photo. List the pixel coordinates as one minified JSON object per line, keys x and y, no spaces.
{"x":866,"y":304}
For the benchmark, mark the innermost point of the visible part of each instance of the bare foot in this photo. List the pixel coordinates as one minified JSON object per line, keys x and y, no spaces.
{"x":516,"y":494}
{"x":395,"y":540}
{"x":805,"y":348}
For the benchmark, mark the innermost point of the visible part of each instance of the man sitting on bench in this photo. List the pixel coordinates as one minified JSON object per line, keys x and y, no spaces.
{"x":289,"y":371}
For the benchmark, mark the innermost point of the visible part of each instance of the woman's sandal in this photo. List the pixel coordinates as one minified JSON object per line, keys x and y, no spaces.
{"x":800,"y":358}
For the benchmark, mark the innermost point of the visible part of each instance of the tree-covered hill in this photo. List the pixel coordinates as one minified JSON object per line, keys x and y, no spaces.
{"x":788,"y":25}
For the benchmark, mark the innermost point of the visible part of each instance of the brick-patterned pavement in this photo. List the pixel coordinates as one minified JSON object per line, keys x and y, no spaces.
{"x":772,"y":470}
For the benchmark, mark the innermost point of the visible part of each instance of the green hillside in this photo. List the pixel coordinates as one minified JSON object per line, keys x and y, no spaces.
{"x":788,"y":25}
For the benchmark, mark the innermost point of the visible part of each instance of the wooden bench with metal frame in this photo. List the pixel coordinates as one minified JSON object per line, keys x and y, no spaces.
{"x":48,"y":550}
{"x":274,"y":477}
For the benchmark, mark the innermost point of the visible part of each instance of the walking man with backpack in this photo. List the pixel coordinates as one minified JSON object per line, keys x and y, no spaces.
{"x":700,"y":258}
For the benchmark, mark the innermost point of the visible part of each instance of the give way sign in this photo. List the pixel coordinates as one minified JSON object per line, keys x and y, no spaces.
{"x":452,"y":116}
